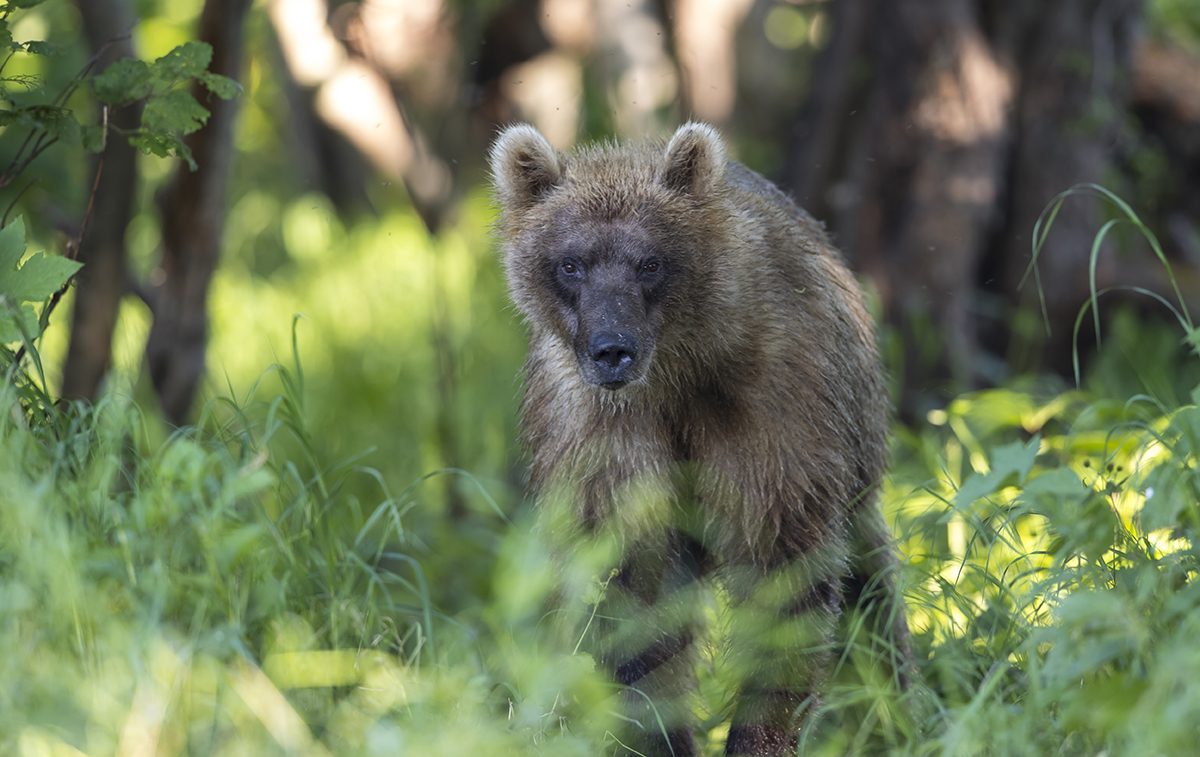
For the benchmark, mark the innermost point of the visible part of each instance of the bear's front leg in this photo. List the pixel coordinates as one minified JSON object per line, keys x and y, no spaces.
{"x":782,"y":623}
{"x":646,"y":629}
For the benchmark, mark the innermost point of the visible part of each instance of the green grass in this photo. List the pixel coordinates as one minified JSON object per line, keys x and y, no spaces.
{"x":258,"y":584}
{"x":209,"y":596}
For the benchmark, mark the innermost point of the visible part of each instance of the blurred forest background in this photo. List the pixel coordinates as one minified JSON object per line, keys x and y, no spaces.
{"x":928,"y":136}
{"x":347,"y":184}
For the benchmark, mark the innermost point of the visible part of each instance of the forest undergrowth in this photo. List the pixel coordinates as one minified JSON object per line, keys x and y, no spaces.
{"x":226,"y":590}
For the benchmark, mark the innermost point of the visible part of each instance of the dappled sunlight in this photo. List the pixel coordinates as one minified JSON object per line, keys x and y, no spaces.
{"x":408,"y":40}
{"x":707,"y":30}
{"x":969,"y":101}
{"x":354,"y":97}
{"x":994,"y":527}
{"x":325,"y":668}
{"x":373,"y":299}
{"x":274,"y":711}
{"x":633,"y":53}
{"x":312,"y":230}
{"x":547,"y":92}
{"x":243,"y":707}
{"x":358,"y":102}
{"x":313,"y":54}
{"x":378,"y":286}
{"x":788,"y":27}
{"x":570,"y":24}
{"x":1166,"y":543}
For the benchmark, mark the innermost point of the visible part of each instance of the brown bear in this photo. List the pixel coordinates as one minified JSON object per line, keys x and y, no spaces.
{"x":703,"y":385}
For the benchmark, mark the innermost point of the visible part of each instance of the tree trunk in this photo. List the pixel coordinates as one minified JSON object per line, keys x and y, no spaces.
{"x":1075,"y":57}
{"x":193,"y":210}
{"x":935,"y":134}
{"x":102,"y":281}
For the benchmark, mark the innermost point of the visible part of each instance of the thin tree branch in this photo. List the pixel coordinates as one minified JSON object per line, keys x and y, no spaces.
{"x":73,"y":246}
{"x":77,"y":80}
{"x":13,"y":204}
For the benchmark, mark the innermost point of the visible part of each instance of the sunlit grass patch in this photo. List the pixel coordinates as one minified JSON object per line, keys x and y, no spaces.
{"x":409,"y":343}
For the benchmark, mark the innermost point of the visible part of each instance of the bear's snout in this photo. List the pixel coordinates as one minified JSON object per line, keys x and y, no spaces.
{"x":613,"y":355}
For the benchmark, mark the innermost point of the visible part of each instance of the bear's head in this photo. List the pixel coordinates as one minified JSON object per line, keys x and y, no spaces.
{"x":610,"y":248}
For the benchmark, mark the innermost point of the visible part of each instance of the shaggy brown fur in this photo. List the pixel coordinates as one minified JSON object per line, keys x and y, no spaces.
{"x":702,"y":381}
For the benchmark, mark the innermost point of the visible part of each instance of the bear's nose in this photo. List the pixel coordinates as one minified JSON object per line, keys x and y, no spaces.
{"x":613,"y":354}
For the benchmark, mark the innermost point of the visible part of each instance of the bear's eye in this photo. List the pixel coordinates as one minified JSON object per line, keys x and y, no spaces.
{"x":569,"y":267}
{"x":651,"y":266}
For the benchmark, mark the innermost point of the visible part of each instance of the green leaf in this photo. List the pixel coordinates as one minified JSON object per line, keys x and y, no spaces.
{"x":91,"y":136}
{"x":154,"y":144}
{"x":1015,"y":458}
{"x":124,"y":81}
{"x":221,"y":86}
{"x":41,"y":47}
{"x":28,"y":82}
{"x":1193,"y":338}
{"x":59,"y":122}
{"x":12,"y":246}
{"x":1164,"y":500}
{"x":10,"y":328}
{"x":163,"y":145}
{"x":6,"y":40}
{"x":1058,"y":484}
{"x":25,"y":3}
{"x":1073,"y":510}
{"x":187,"y":61}
{"x":174,"y":111}
{"x":40,"y":277}
{"x":581,"y":661}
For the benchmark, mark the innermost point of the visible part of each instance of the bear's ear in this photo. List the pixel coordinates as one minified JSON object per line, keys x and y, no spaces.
{"x":524,"y":166}
{"x":695,"y":159}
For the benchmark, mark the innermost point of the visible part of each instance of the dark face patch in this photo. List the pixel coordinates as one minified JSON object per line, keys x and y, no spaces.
{"x":610,"y":281}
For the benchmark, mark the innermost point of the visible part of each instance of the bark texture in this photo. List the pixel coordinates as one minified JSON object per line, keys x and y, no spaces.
{"x":101,"y":283}
{"x":935,"y":133}
{"x":193,"y":211}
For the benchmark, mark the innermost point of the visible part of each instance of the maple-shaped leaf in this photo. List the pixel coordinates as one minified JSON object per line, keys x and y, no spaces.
{"x":41,"y":276}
